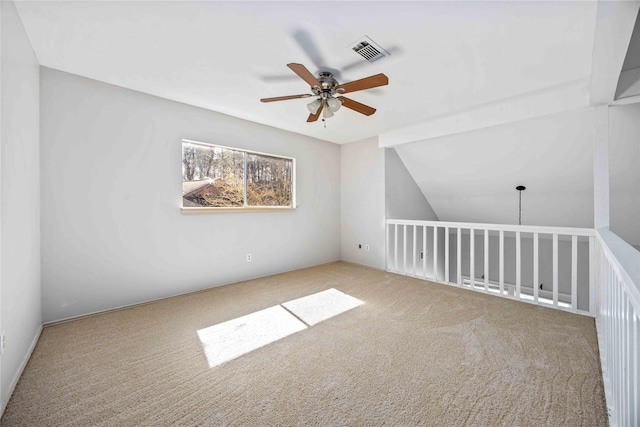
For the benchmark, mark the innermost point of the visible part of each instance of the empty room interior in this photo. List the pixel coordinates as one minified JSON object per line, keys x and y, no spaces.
{"x":320,"y":213}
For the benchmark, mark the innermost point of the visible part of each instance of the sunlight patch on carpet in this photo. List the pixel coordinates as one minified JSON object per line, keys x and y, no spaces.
{"x":226,"y":341}
{"x":315,"y":308}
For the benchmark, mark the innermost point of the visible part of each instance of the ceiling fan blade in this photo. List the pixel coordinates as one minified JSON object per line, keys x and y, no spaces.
{"x":284,"y":98}
{"x":356,"y":106}
{"x":366,"y":83}
{"x":304,"y":74}
{"x":314,"y":117}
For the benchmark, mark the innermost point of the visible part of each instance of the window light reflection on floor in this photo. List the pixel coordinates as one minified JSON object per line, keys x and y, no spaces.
{"x":315,"y":308}
{"x":226,"y":341}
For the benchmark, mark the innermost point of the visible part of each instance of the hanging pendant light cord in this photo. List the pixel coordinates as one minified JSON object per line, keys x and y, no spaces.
{"x":520,"y":209}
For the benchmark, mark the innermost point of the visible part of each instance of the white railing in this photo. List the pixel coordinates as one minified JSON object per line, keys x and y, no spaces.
{"x":617,"y":322}
{"x":550,"y":266}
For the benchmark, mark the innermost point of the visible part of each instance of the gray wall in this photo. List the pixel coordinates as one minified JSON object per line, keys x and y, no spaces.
{"x":624,"y":172}
{"x":112,"y":231}
{"x":20,"y":198}
{"x":403,"y":197}
{"x":363,"y":203}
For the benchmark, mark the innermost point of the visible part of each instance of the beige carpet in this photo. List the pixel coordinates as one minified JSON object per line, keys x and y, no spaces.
{"x":415,"y":353}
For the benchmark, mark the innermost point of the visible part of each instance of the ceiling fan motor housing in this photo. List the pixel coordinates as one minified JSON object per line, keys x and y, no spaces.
{"x":328,"y":85}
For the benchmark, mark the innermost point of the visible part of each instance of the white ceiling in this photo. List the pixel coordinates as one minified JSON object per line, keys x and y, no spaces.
{"x":447,"y":57}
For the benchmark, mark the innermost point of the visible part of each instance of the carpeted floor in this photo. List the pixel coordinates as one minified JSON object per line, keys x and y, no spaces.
{"x":414,"y":353}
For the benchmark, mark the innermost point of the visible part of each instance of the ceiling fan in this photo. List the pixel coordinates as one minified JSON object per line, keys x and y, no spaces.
{"x":325,"y":88}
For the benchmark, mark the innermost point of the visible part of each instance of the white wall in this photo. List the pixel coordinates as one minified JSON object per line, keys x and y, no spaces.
{"x":112,"y":231}
{"x":363,"y":202}
{"x":20,"y":198}
{"x":601,"y":167}
{"x":403,"y":197}
{"x":624,"y":172}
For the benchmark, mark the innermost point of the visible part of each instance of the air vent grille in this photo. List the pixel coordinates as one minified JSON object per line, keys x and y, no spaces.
{"x":370,"y":51}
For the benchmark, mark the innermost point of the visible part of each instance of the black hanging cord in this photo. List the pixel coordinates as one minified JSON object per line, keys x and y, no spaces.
{"x":520,"y":189}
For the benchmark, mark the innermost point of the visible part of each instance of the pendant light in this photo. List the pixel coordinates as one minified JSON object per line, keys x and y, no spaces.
{"x":520,"y":189}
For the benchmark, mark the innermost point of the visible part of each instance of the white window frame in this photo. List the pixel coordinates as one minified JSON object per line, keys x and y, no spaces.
{"x":245,"y":208}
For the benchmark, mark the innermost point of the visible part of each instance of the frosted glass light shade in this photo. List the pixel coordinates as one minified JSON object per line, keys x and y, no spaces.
{"x":313,"y":106}
{"x":334,"y":104}
{"x":326,"y":112}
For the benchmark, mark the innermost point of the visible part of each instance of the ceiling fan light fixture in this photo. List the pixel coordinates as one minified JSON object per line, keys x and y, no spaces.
{"x":334,"y":104}
{"x":313,"y":106}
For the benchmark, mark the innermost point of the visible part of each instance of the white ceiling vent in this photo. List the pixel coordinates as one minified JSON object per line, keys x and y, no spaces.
{"x":370,"y":51}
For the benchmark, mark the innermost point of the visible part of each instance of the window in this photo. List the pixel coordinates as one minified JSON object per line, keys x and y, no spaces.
{"x":220,"y":177}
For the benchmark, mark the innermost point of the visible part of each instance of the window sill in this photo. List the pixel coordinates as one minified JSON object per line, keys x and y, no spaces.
{"x":226,"y":210}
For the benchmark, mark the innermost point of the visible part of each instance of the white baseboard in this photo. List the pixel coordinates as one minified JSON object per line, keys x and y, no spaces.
{"x":23,"y":365}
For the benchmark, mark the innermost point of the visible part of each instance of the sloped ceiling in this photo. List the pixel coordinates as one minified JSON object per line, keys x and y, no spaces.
{"x":471,"y":177}
{"x":446,"y":57}
{"x":629,"y":83}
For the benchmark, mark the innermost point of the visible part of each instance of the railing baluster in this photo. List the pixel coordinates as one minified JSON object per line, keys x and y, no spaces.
{"x":592,"y":276}
{"x":435,"y":254}
{"x":501,"y":262}
{"x":619,"y":346}
{"x":424,"y":252}
{"x":387,"y":246}
{"x":472,"y":258}
{"x":459,"y":255}
{"x":536,"y":289}
{"x":446,"y":255}
{"x":627,"y":351}
{"x":635,"y":356}
{"x":395,"y":247}
{"x":555,"y":270}
{"x":486,"y":260}
{"x":404,"y":248}
{"x":518,"y":265}
{"x":574,"y":273}
{"x":415,"y":237}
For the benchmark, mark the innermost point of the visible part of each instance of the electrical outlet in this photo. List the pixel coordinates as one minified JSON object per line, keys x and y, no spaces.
{"x":3,"y":342}
{"x":248,"y":257}
{"x":421,"y":254}
{"x":359,"y":246}
{"x":366,"y":248}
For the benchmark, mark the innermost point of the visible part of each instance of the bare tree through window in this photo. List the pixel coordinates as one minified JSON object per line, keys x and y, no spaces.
{"x":217,"y":176}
